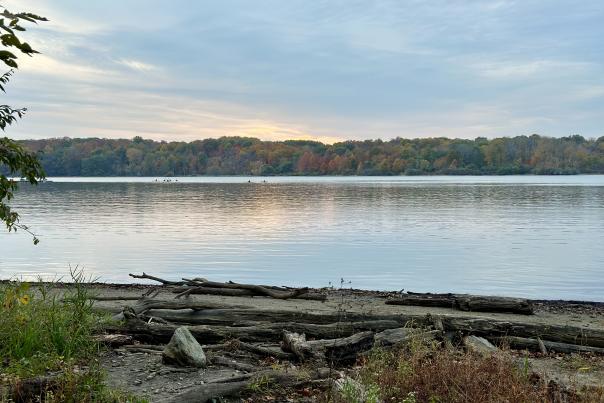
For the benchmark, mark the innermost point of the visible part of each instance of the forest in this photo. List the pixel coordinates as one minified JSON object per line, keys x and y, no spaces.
{"x":533,"y":154}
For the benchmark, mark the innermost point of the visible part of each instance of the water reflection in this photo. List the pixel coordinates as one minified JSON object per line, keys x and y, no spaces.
{"x":538,"y":238}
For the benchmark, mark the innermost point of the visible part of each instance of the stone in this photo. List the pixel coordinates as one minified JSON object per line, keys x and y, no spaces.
{"x":479,"y":345}
{"x":184,"y":350}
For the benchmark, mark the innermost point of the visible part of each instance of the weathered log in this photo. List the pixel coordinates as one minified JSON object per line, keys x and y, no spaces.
{"x":344,"y":349}
{"x":464,"y":302}
{"x":263,"y":350}
{"x":556,"y":333}
{"x":209,"y":391}
{"x":403,"y":335}
{"x":228,"y":362}
{"x":228,"y":292}
{"x":256,"y":290}
{"x":523,"y":343}
{"x":235,"y":315}
{"x":114,"y":298}
{"x":263,"y":332}
{"x":113,"y":340}
{"x":145,"y":304}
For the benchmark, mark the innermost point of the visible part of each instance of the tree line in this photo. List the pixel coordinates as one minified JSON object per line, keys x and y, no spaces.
{"x":249,"y":156}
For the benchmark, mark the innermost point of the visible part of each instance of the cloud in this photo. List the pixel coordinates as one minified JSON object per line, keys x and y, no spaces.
{"x":137,"y":65}
{"x":330,"y":70}
{"x":529,"y":69}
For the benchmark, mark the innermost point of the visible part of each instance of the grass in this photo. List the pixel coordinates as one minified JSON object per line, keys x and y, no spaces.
{"x":44,"y":333}
{"x":425,"y":372}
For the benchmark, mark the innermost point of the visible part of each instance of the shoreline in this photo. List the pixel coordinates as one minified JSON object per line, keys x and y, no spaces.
{"x":361,"y":291}
{"x":243,"y":335}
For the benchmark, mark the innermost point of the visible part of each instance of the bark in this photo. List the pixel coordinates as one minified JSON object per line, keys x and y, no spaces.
{"x":338,"y":350}
{"x":159,"y":280}
{"x":209,"y":391}
{"x":237,"y":315}
{"x":227,"y":362}
{"x":113,"y":340}
{"x":228,"y":292}
{"x":524,"y":343}
{"x":196,"y":286}
{"x":555,"y":333}
{"x":403,"y":335}
{"x":263,"y":332}
{"x":263,"y":351}
{"x":145,"y":304}
{"x":464,"y":302}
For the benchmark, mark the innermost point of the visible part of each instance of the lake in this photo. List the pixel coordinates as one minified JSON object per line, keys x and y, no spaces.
{"x":532,"y":236}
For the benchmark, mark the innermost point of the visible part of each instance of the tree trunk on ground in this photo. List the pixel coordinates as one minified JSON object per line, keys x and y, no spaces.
{"x":262,"y":332}
{"x":215,"y":390}
{"x":524,"y":343}
{"x":464,"y":302}
{"x":555,"y":333}
{"x":339,"y":350}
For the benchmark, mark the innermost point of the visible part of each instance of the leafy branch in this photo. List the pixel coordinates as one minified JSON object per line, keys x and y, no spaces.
{"x":13,"y":156}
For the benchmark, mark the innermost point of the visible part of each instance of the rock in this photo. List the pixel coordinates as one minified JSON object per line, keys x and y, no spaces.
{"x":184,"y":350}
{"x":479,"y":345}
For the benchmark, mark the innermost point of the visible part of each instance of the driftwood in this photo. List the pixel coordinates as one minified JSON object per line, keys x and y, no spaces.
{"x":336,"y":350}
{"x":234,"y":292}
{"x":347,"y":348}
{"x":237,"y":315}
{"x":228,"y":362}
{"x":466,"y":302}
{"x":145,"y":304}
{"x":403,"y":335}
{"x":159,"y":280}
{"x":113,"y":340}
{"x":265,"y":330}
{"x":523,"y":343}
{"x":200,"y":285}
{"x":203,"y":286}
{"x":555,"y":333}
{"x":262,"y":332}
{"x":263,"y":350}
{"x":230,"y":387}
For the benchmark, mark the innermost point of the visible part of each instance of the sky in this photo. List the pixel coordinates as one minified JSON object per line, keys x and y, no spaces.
{"x":299,"y":69}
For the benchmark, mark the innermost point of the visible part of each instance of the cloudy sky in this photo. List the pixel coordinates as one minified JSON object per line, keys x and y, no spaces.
{"x":328,"y":70}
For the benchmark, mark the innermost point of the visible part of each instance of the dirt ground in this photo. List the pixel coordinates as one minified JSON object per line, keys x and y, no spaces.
{"x":144,"y":374}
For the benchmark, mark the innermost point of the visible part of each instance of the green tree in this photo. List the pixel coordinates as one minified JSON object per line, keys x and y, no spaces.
{"x":15,"y":159}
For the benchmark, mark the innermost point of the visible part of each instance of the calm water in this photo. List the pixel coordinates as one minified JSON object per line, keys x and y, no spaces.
{"x":539,"y":237}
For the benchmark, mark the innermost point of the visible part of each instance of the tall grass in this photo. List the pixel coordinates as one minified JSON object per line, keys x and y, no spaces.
{"x":41,"y":329}
{"x":47,"y":331}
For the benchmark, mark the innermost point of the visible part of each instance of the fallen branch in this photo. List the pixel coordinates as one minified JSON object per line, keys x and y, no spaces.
{"x":255,"y":289}
{"x":159,"y":280}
